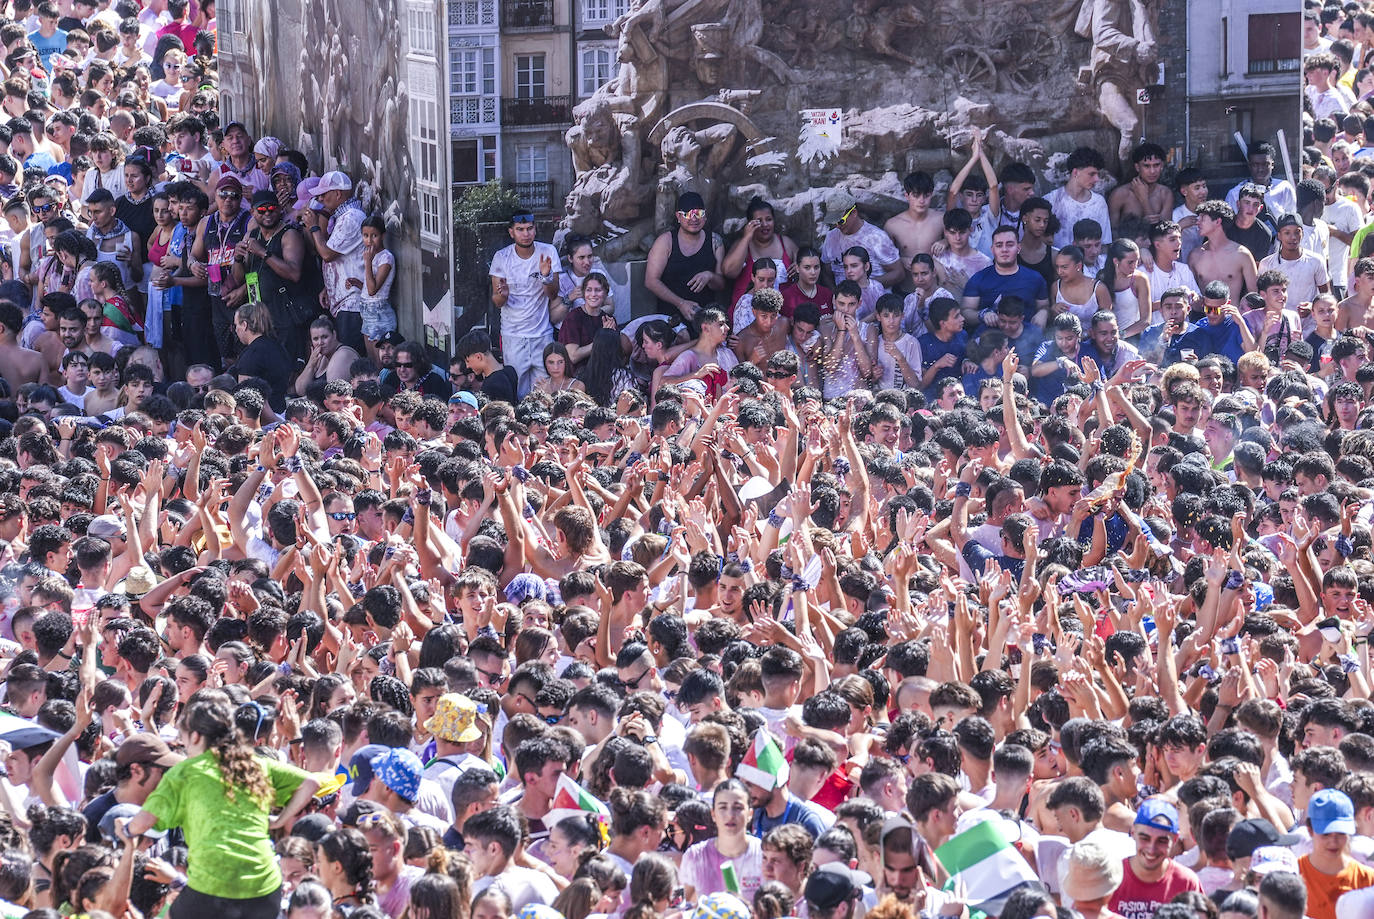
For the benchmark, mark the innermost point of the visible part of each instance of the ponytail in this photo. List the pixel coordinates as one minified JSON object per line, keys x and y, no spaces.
{"x":214,"y":722}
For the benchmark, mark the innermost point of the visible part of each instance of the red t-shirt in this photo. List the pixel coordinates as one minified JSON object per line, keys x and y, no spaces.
{"x":1137,"y":899}
{"x":792,"y":297}
{"x":834,"y":792}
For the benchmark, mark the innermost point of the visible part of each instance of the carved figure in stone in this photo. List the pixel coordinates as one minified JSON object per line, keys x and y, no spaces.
{"x":605,"y":151}
{"x":1124,"y":52}
{"x":879,"y":22}
{"x":640,"y":88}
{"x":694,"y":160}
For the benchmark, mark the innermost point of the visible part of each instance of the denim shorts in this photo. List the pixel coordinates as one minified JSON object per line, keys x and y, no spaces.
{"x":378,"y":318}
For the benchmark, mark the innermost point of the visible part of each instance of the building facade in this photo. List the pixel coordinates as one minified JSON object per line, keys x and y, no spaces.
{"x":1244,"y":74}
{"x":512,"y":86}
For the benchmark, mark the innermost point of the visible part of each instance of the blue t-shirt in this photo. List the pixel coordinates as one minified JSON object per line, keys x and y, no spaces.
{"x":794,"y":812}
{"x":977,"y":556}
{"x":989,"y":287}
{"x":40,"y":159}
{"x":1222,"y":338}
{"x":47,"y":47}
{"x":932,"y":349}
{"x":1051,"y":385}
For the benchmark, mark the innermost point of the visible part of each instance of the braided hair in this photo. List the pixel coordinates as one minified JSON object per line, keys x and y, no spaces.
{"x":213,"y":720}
{"x":348,"y":848}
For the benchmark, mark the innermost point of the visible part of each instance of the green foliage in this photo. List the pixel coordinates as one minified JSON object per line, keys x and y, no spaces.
{"x":491,"y":202}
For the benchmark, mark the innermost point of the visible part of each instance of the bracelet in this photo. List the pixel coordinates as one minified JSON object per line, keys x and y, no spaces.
{"x":1233,"y":580}
{"x":408,"y":516}
{"x":294,"y":464}
{"x":774,"y":520}
{"x":787,"y":573}
{"x":521,"y":473}
{"x":962,"y":489}
{"x":799,"y":584}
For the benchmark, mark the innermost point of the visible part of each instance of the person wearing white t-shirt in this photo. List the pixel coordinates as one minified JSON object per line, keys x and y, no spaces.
{"x":1341,"y":218}
{"x":1306,"y":273}
{"x":1169,"y":270}
{"x":490,"y":839}
{"x":1279,"y":195}
{"x":1075,"y":200}
{"x":524,"y":281}
{"x":849,"y":229}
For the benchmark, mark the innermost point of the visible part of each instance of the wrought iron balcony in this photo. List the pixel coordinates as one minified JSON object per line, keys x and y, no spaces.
{"x":537,"y":196}
{"x":554,"y":111}
{"x":527,"y":14}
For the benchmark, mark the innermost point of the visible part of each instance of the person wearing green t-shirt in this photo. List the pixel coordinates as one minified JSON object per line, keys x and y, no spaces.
{"x":222,"y":796}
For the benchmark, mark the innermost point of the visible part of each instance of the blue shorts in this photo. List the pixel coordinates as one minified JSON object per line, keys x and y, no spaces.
{"x":378,"y":319}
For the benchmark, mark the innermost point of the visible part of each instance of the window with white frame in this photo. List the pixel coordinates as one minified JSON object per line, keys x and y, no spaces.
{"x":531,"y":163}
{"x":473,"y":71}
{"x":596,"y":67}
{"x":424,"y":135}
{"x":529,"y":76}
{"x":474,"y":160}
{"x":596,"y":12}
{"x":420,"y":19}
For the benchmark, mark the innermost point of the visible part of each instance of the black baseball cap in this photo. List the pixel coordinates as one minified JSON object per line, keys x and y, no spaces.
{"x":830,"y":885}
{"x":1248,"y":835}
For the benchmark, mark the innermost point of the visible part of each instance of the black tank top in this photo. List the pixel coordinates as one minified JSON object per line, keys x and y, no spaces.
{"x":681,"y":268}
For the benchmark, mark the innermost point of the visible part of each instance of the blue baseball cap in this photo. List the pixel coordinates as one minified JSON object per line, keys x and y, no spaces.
{"x":1157,"y":813}
{"x":360,"y":766}
{"x":400,"y":770}
{"x":466,"y":398}
{"x":1331,"y":811}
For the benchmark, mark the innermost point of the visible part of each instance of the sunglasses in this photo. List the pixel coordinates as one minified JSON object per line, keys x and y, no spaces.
{"x":846,"y":215}
{"x":227,"y":195}
{"x":777,"y":375}
{"x":266,"y":208}
{"x":697,"y":214}
{"x":406,"y":364}
{"x":43,"y":208}
{"x":343,"y":515}
{"x":551,"y":719}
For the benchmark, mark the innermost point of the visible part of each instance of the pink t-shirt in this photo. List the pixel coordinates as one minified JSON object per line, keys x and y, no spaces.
{"x":1137,"y":899}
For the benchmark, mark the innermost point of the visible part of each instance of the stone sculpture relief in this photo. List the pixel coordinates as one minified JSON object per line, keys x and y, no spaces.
{"x":707,"y":96}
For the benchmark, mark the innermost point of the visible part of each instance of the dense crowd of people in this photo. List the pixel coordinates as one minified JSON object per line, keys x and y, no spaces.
{"x":1007,"y":556}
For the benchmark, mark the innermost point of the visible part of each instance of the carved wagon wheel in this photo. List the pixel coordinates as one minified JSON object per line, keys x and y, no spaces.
{"x":1026,"y":55}
{"x":969,"y":66}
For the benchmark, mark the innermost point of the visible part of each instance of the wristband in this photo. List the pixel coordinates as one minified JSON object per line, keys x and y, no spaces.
{"x":774,"y":520}
{"x":423,"y":496}
{"x":962,"y":489}
{"x":799,"y":584}
{"x":787,"y":573}
{"x":633,"y":458}
{"x":528,"y":511}
{"x":744,"y":565}
{"x":521,"y":473}
{"x":294,"y":464}
{"x":1345,"y":545}
{"x":408,"y":516}
{"x":1233,"y":580}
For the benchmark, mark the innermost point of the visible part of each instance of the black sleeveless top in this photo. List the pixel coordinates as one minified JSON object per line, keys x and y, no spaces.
{"x":681,"y":268}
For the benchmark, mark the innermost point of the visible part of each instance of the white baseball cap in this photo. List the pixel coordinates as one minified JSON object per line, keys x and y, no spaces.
{"x":332,"y":181}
